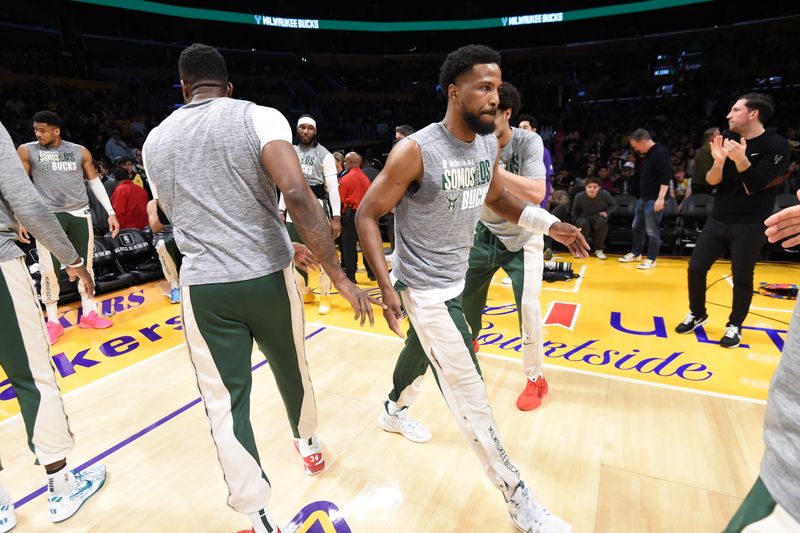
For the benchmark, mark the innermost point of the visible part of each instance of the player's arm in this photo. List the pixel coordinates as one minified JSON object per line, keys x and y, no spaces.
{"x":332,"y":186}
{"x":22,"y":152}
{"x":17,"y":190}
{"x":152,"y":217}
{"x":280,"y":160}
{"x":532,"y":218}
{"x":90,"y":174}
{"x":403,"y":168}
{"x":530,"y":185}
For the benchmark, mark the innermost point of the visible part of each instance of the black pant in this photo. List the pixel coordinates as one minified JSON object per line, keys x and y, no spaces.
{"x":744,"y":242}
{"x":349,"y":241}
{"x":597,"y":225}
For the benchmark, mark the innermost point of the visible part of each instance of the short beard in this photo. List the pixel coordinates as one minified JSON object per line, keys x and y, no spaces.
{"x":475,"y":124}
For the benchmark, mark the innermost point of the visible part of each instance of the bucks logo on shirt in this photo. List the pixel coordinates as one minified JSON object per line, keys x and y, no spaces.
{"x":63,"y":161}
{"x":467,"y":181}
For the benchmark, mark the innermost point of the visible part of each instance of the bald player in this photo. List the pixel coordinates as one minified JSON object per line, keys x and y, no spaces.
{"x":58,"y":168}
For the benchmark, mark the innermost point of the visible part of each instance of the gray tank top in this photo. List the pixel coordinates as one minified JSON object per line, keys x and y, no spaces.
{"x":57,"y":173}
{"x":205,"y":161}
{"x":434,"y":225}
{"x":311,"y":162}
{"x":522,"y":156}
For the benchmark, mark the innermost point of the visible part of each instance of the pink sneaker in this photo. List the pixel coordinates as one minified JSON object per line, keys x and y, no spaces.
{"x":93,"y":320}
{"x":55,"y":330}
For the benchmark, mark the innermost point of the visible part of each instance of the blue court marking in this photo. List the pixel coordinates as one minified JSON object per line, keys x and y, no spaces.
{"x":41,"y":490}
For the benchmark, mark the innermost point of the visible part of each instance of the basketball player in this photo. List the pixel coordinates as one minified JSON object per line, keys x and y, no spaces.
{"x":319,"y":170}
{"x":772,"y":505}
{"x":58,"y":168}
{"x":218,"y":160}
{"x":437,"y":180}
{"x":502,"y":244}
{"x":25,"y":354}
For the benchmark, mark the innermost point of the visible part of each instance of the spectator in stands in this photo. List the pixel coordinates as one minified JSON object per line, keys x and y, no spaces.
{"x":129,"y":201}
{"x":605,"y":180}
{"x":702,"y":162}
{"x":116,"y":147}
{"x":590,"y":211}
{"x":352,"y":188}
{"x":340,"y":170}
{"x":653,"y":187}
{"x":628,"y":178}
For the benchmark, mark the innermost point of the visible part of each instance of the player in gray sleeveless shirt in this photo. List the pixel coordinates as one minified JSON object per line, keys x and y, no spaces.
{"x":25,"y":352}
{"x":58,"y":169}
{"x":773,"y":504}
{"x":213,"y":165}
{"x":438,"y":180}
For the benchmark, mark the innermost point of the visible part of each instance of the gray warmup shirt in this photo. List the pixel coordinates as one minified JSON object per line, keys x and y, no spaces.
{"x":780,"y":468}
{"x":57,"y":173}
{"x":205,"y":162}
{"x":19,"y":197}
{"x":522,"y":156}
{"x":311,"y":162}
{"x":434,"y":226}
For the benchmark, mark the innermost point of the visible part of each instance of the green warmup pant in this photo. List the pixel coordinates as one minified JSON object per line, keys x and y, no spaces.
{"x":81,"y":234}
{"x":759,"y":513}
{"x":221,"y":321}
{"x":439,"y":338}
{"x":25,"y":358}
{"x":524,"y":267}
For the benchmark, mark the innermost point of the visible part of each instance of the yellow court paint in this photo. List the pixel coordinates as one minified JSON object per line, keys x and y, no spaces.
{"x":145,"y":324}
{"x":614,"y":320}
{"x":617,"y":320}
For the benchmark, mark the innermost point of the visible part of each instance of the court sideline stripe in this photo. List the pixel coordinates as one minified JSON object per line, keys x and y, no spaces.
{"x":599,"y":375}
{"x":41,"y":490}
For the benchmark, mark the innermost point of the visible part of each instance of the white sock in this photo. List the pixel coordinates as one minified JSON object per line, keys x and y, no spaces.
{"x":5,"y":497}
{"x":258,"y":518}
{"x":308,"y":446}
{"x":88,"y":305}
{"x":61,"y":482}
{"x":392,"y":408}
{"x":52,"y":312}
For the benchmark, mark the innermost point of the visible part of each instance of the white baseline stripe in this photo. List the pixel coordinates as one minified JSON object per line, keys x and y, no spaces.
{"x":104,"y":379}
{"x":568,"y":369}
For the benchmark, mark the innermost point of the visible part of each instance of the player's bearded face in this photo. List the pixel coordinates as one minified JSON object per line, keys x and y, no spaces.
{"x":478,"y":97}
{"x":306,"y":133}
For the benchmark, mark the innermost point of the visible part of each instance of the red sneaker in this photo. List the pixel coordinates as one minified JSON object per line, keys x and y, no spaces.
{"x":54,"y":330}
{"x":476,"y":346}
{"x":531,"y":397}
{"x":93,"y":320}
{"x":253,"y":531}
{"x":313,"y":462}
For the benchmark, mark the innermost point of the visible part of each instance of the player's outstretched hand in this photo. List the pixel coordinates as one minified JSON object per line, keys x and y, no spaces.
{"x":303,"y":258}
{"x":393,"y":311}
{"x":360,"y":301}
{"x":783,"y":224}
{"x":83,"y":275}
{"x":571,"y":237}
